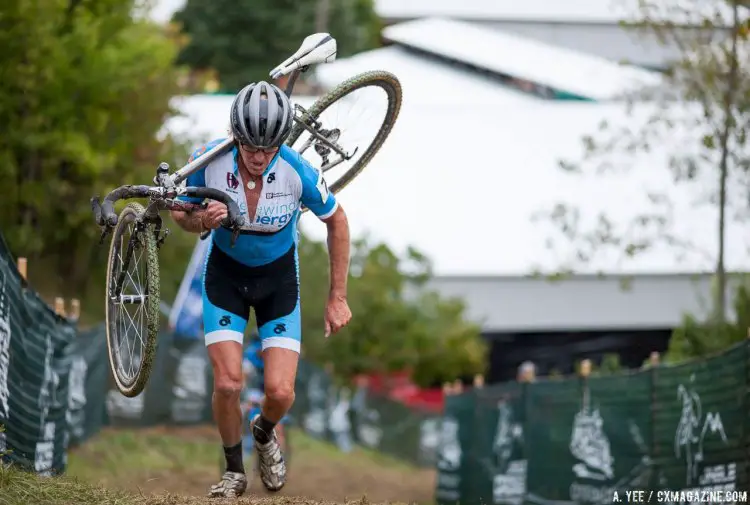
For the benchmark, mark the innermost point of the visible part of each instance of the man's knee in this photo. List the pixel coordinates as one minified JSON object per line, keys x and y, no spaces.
{"x":228,"y":385}
{"x":280,"y":392}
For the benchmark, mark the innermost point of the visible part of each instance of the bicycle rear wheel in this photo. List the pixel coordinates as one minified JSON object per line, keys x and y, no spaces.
{"x":330,"y":127}
{"x":132,"y":283}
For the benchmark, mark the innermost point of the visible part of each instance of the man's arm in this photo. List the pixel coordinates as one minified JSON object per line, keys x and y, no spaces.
{"x":193,"y":221}
{"x":338,"y":251}
{"x":189,"y":221}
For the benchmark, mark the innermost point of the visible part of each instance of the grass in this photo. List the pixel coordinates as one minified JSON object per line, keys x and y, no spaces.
{"x":20,"y":488}
{"x":307,"y":447}
{"x":106,"y":458}
{"x":115,"y":456}
{"x":170,"y":467}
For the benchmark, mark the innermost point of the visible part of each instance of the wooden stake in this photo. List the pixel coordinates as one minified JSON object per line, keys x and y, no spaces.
{"x":527,"y":372}
{"x":22,"y":267}
{"x":458,"y":386}
{"x":478,"y":381}
{"x":75,"y":309}
{"x":654,"y":358}
{"x":585,"y":370}
{"x":60,"y":306}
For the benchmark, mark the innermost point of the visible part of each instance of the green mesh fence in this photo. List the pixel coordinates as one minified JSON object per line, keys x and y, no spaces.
{"x":346,"y":416}
{"x":701,"y":428}
{"x":666,"y":430}
{"x":89,"y":375}
{"x":35,"y":365}
{"x":499,"y":464}
{"x":455,"y":459}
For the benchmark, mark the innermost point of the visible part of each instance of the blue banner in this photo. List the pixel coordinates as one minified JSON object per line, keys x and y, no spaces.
{"x":186,"y":317}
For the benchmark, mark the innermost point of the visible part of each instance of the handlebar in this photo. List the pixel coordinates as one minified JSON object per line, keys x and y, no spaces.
{"x":234,"y":219}
{"x":104,"y":212}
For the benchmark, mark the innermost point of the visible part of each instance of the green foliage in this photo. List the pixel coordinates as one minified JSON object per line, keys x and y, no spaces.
{"x":610,"y":365}
{"x":695,"y":338}
{"x":397,"y":323}
{"x":242,"y":40}
{"x":3,"y":450}
{"x":84,"y":89}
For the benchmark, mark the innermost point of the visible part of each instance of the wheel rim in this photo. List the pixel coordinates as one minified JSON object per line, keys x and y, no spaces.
{"x":129,"y":320}
{"x":353,"y":121}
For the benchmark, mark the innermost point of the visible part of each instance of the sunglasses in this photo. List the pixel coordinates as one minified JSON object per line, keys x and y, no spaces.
{"x":253,"y":150}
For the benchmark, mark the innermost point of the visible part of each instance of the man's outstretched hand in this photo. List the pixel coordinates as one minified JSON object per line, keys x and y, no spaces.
{"x":337,"y":314}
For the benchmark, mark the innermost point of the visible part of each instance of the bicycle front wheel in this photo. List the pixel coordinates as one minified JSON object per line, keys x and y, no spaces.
{"x":363,"y":93}
{"x":132,"y":300}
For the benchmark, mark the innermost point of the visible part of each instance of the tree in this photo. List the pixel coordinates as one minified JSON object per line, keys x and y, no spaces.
{"x":695,"y":338}
{"x":84,"y":89}
{"x":703,"y":111}
{"x":397,"y":324}
{"x":242,"y":40}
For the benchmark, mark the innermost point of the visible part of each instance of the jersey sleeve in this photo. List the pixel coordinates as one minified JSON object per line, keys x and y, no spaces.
{"x":197,"y":179}
{"x":315,"y":194}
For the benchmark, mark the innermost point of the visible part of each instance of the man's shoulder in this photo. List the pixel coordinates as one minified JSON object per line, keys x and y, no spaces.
{"x":299,"y":164}
{"x":204,"y":148}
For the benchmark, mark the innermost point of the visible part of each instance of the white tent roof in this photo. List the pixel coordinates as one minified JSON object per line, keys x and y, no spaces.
{"x":469,"y":205}
{"x":555,"y":11}
{"x":559,"y":68}
{"x":423,"y":80}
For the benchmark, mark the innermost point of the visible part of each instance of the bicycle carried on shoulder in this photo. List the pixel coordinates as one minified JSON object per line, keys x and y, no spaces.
{"x":137,"y":231}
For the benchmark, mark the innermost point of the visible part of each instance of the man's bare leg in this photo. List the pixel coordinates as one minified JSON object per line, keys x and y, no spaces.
{"x":226,"y":360}
{"x":280,"y":372}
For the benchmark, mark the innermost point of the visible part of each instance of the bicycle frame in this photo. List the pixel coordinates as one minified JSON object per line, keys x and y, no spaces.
{"x":316,"y":48}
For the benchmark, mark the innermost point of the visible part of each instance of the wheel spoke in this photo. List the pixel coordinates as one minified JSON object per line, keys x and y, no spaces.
{"x":128,"y":309}
{"x":353,"y":122}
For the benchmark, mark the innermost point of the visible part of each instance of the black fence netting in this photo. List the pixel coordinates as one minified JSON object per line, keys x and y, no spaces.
{"x":677,"y":433}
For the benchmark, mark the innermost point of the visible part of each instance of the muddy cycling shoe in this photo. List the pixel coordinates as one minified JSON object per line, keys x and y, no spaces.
{"x":272,"y":467}
{"x":232,"y":485}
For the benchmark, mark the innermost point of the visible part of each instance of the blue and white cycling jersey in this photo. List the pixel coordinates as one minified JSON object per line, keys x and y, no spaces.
{"x":261,"y":270}
{"x":288,"y":181}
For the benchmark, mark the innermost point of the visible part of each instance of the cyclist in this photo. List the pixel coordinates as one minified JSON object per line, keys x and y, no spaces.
{"x":268,"y":181}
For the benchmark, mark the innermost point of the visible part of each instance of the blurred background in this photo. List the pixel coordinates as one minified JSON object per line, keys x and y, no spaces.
{"x":549,"y":253}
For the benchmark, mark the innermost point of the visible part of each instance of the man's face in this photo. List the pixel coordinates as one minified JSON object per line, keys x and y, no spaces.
{"x":256,"y":160}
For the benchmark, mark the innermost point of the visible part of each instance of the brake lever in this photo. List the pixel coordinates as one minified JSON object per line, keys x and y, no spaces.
{"x":204,"y":234}
{"x":105,"y":232}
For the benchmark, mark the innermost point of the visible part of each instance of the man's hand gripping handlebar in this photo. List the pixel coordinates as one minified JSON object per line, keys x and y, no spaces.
{"x":105,"y":216}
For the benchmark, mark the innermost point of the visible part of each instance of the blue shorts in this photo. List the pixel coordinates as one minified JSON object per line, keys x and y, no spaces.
{"x":230,"y":289}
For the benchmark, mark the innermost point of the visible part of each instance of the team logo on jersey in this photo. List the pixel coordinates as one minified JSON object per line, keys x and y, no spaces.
{"x":232,"y":181}
{"x":197,"y":153}
{"x":271,"y":178}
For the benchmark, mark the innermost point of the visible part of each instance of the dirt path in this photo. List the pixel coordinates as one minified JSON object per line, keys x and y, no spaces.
{"x":314,"y":475}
